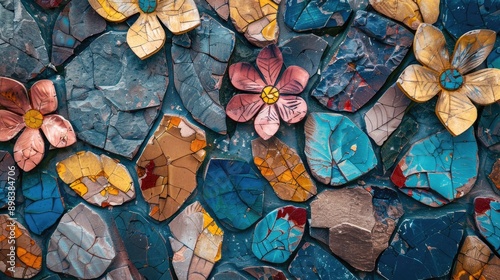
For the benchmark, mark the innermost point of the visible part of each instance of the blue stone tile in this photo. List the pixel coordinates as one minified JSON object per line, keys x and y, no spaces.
{"x":308,"y":15}
{"x":460,"y":16}
{"x":493,"y":60}
{"x":304,"y":51}
{"x":9,"y":178}
{"x":487,"y":215}
{"x":488,"y":131}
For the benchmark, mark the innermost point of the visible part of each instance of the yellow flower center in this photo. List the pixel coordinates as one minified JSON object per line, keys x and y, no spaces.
{"x":270,"y":95}
{"x":33,"y":119}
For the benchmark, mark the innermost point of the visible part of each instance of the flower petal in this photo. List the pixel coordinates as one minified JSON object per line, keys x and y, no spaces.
{"x":146,"y":36}
{"x":456,"y":112}
{"x":292,"y":109}
{"x":243,"y":76}
{"x":179,"y":16}
{"x":242,"y":107}
{"x":429,"y":46}
{"x":429,"y":10}
{"x":293,"y":80}
{"x":419,"y":83}
{"x":267,"y":122}
{"x":10,"y":125}
{"x":270,"y":62}
{"x":58,"y":131}
{"x":482,"y":86}
{"x":472,"y":49}
{"x":115,"y":10}
{"x":43,"y":97}
{"x":29,"y":149}
{"x":13,"y":96}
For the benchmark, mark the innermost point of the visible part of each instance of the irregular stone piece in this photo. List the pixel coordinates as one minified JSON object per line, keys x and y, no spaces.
{"x":200,"y":61}
{"x":228,"y":275}
{"x":43,"y":202}
{"x":256,"y":19}
{"x":312,"y":262}
{"x":99,"y":180}
{"x":146,"y":247}
{"x":337,"y":151}
{"x":27,"y":259}
{"x":476,"y":261}
{"x":423,"y":247}
{"x":81,"y":245}
{"x":495,"y":174}
{"x":438,"y":169}
{"x":460,"y":16}
{"x":48,"y":4}
{"x":114,"y":112}
{"x":196,"y":243}
{"x":487,"y":215}
{"x":316,"y":14}
{"x":410,"y":12}
{"x":9,"y":178}
{"x":277,"y":235}
{"x":221,"y":7}
{"x":386,"y":115}
{"x":359,"y":222}
{"x":234,"y":181}
{"x":398,"y":141}
{"x":167,"y":167}
{"x":22,"y":48}
{"x":488,"y":131}
{"x":75,"y":23}
{"x":373,"y":48}
{"x":304,"y":51}
{"x":121,"y":273}
{"x":265,"y":273}
{"x":283,"y":168}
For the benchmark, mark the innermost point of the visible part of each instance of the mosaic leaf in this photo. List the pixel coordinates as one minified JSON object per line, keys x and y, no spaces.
{"x":337,"y":151}
{"x":373,"y":48}
{"x":196,"y":241}
{"x":284,"y":170}
{"x":386,"y":115}
{"x":9,"y":178}
{"x":487,"y":215}
{"x":221,"y":7}
{"x":277,"y":235}
{"x":488,"y":131}
{"x":81,"y":245}
{"x":411,"y":13}
{"x":304,"y":51}
{"x":316,"y":14}
{"x":27,"y":259}
{"x":99,"y":180}
{"x":265,"y":273}
{"x":200,"y":62}
{"x":256,"y":19}
{"x":167,"y":167}
{"x":476,"y":261}
{"x":234,"y":181}
{"x":460,"y":16}
{"x":438,"y":169}
{"x":398,"y":141}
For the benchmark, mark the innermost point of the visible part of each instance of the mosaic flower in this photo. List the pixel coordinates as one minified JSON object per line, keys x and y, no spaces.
{"x":146,"y":36}
{"x":450,"y":78}
{"x":32,"y":116}
{"x":267,"y":96}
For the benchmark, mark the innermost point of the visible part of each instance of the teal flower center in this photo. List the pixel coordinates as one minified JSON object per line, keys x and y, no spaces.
{"x":147,"y":6}
{"x":451,"y":79}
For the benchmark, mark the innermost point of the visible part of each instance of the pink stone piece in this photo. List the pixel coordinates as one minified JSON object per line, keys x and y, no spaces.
{"x":221,"y":7}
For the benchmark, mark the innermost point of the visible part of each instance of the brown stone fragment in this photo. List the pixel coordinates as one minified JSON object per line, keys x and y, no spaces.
{"x":495,"y":174}
{"x":476,"y":261}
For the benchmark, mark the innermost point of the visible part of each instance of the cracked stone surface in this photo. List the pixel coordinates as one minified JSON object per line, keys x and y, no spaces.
{"x":304,"y":51}
{"x":487,"y":216}
{"x":221,"y":7}
{"x":316,"y":14}
{"x":265,"y":273}
{"x":488,"y":131}
{"x":400,"y":138}
{"x":460,"y":16}
{"x":495,"y":174}
{"x":476,"y":261}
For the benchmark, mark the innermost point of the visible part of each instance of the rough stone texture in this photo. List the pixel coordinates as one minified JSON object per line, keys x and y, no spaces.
{"x":316,"y":14}
{"x":460,"y":16}
{"x":488,"y":131}
{"x":495,"y":174}
{"x":23,"y":50}
{"x":200,"y":61}
{"x":228,"y":275}
{"x":493,"y":60}
{"x":9,"y":178}
{"x":304,"y":51}
{"x":373,"y":48}
{"x":359,"y":222}
{"x":487,"y":215}
{"x":476,"y":261}
{"x":265,"y":273}
{"x":122,"y":273}
{"x":221,"y":7}
{"x":81,"y":245}
{"x":398,"y":141}
{"x":114,"y":112}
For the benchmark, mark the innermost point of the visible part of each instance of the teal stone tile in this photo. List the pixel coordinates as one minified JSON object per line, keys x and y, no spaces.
{"x":305,"y":15}
{"x":488,"y":131}
{"x":460,"y":16}
{"x":487,"y":216}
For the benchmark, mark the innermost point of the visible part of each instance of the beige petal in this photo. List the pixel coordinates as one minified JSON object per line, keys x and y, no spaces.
{"x":180,"y":16}
{"x":472,"y":49}
{"x":115,"y":10}
{"x":456,"y":112}
{"x":429,"y":9}
{"x":419,"y":83}
{"x":406,"y":11}
{"x":429,"y":46}
{"x":482,"y":86}
{"x":146,"y":36}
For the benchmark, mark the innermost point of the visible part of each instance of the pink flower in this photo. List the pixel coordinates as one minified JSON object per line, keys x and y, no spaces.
{"x":268,"y":97}
{"x":21,"y":114}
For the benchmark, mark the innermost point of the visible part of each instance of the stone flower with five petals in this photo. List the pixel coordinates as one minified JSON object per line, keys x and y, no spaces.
{"x":451,"y":78}
{"x":146,"y":36}
{"x":32,"y":116}
{"x":267,"y":98}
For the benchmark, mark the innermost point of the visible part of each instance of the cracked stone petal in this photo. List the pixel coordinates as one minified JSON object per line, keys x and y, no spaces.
{"x":304,"y":51}
{"x":24,"y":55}
{"x":196,"y":242}
{"x":13,"y":96}
{"x":461,"y":16}
{"x":373,"y":48}
{"x":115,"y":10}
{"x":146,"y":36}
{"x":279,"y":233}
{"x":438,"y":169}
{"x":265,"y":273}
{"x":43,"y":202}
{"x":167,"y":167}
{"x":411,"y":13}
{"x":29,"y":149}
{"x":284,"y":169}
{"x":256,"y":19}
{"x":28,"y":256}
{"x":75,"y":23}
{"x":472,"y":49}
{"x":234,"y":181}
{"x":312,"y":262}
{"x":114,"y":112}
{"x":476,"y":261}
{"x":487,"y":216}
{"x":200,"y":60}
{"x":9,"y":177}
{"x":81,"y":245}
{"x":178,"y":16}
{"x":221,"y":7}
{"x":398,"y":141}
{"x":386,"y":115}
{"x":337,"y":151}
{"x":316,"y":14}
{"x":357,"y":222}
{"x":423,"y":247}
{"x":488,"y":131}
